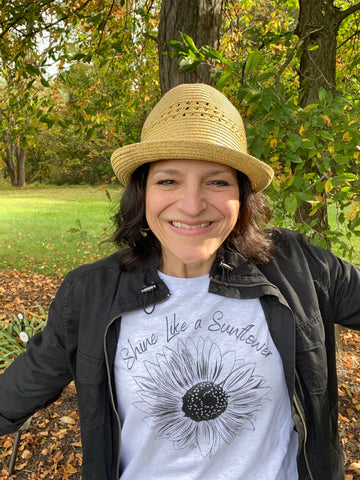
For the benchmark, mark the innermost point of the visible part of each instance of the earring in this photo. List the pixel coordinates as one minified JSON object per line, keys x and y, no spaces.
{"x":144,"y":231}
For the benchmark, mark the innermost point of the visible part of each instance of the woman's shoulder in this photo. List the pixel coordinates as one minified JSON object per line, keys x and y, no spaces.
{"x":108,"y":265}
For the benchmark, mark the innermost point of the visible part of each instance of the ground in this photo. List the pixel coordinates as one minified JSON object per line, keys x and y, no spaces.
{"x":51,"y":447}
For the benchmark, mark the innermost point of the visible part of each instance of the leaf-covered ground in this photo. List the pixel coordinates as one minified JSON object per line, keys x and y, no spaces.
{"x":51,"y":448}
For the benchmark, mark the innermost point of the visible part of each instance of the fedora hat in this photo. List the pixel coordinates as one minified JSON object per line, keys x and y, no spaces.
{"x":193,"y":122}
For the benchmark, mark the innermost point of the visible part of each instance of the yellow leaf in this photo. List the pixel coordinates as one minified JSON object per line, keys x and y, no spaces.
{"x":351,"y":215}
{"x":328,"y":185}
{"x":273,"y":143}
{"x":346,"y":137}
{"x":302,"y":130}
{"x":327,"y":120}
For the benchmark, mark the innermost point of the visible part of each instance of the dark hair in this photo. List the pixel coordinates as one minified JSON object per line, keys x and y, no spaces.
{"x":249,"y":237}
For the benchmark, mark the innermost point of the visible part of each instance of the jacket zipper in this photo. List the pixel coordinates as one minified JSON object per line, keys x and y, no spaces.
{"x":260,"y":284}
{"x":111,"y":392}
{"x":305,"y":437}
{"x":109,"y":382}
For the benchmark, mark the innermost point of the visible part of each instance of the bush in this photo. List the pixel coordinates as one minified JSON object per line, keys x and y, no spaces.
{"x":18,"y":329}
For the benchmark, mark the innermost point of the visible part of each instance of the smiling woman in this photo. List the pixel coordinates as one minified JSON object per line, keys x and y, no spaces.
{"x":191,"y":207}
{"x":204,"y":347}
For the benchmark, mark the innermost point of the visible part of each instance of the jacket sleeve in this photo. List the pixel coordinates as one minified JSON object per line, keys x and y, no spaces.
{"x":37,"y":377}
{"x":338,"y":284}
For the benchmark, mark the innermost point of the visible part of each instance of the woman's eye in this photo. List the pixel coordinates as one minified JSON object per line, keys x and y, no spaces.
{"x":166,"y":182}
{"x":220,"y":183}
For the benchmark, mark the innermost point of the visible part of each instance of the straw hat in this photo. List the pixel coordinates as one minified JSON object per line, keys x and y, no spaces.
{"x":193,"y":122}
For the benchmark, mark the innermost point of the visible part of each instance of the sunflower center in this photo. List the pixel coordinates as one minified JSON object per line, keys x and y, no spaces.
{"x":204,"y":401}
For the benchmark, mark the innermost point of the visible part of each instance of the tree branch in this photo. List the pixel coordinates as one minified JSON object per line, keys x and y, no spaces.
{"x":342,"y":14}
{"x":349,"y":38}
{"x":105,"y":22}
{"x":46,"y":26}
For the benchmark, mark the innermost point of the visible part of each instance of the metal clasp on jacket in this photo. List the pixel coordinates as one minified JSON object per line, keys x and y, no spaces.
{"x":226,"y":269}
{"x":149,"y":297}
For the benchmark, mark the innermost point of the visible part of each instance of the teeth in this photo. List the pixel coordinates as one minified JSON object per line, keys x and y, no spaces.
{"x":191,"y":227}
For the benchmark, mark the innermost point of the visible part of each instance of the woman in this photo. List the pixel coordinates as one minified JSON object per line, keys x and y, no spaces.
{"x":207,"y":341}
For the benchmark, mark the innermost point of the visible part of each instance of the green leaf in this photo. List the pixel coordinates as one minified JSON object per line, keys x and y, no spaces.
{"x":188,"y":64}
{"x":322,"y":94}
{"x":78,"y":56}
{"x":44,"y":82}
{"x":32,"y":70}
{"x":212,"y":53}
{"x":266,"y":101}
{"x":224,"y":79}
{"x":291,"y":204}
{"x":177,"y":45}
{"x":252,"y":61}
{"x":189,"y":42}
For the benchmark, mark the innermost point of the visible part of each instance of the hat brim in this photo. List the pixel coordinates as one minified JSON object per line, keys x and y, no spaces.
{"x":127,"y":159}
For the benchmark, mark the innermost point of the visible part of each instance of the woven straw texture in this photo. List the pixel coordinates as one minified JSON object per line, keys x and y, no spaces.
{"x":193,"y":122}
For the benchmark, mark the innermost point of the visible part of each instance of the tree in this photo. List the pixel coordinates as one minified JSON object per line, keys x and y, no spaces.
{"x":24,"y":53}
{"x":105,"y":36}
{"x":318,"y":26}
{"x":200,"y":20}
{"x":317,"y":29}
{"x":314,"y":148}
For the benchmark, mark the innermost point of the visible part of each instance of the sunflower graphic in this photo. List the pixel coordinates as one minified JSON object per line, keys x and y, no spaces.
{"x":197,"y":397}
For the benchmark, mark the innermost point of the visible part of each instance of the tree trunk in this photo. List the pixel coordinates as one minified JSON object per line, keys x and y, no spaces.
{"x":20,"y":166}
{"x":200,"y":19}
{"x":15,"y":162}
{"x":317,"y":27}
{"x":11,"y":164}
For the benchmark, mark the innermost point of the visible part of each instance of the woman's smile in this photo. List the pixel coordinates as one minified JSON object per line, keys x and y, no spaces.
{"x":191,"y":207}
{"x":190,"y":227}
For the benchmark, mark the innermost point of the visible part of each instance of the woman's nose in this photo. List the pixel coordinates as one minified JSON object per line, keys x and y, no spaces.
{"x":192,"y":201}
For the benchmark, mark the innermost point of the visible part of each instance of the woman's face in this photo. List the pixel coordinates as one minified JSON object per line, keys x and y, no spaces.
{"x":191,"y":207}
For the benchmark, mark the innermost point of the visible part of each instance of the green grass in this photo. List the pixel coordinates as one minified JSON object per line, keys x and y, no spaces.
{"x":52,"y":230}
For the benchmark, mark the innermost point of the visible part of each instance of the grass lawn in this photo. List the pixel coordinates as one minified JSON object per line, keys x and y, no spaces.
{"x":52,"y":230}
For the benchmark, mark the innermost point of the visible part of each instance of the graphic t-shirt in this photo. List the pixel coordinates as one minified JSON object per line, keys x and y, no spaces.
{"x":201,"y":391}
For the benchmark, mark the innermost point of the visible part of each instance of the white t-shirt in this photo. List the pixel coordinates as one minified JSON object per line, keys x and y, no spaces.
{"x":201,"y":391}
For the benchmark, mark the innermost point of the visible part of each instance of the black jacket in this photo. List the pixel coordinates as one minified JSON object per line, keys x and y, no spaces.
{"x":304,"y":291}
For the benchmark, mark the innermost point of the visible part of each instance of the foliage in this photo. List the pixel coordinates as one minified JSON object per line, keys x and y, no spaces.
{"x":107,"y":81}
{"x":104,"y":59}
{"x":287,"y":137}
{"x":19,"y":328}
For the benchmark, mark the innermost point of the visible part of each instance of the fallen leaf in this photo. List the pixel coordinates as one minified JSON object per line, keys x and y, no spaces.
{"x":26,"y":454}
{"x":68,"y":420}
{"x":355,"y":467}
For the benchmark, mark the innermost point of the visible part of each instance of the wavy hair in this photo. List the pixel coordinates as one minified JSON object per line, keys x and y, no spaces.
{"x":137,"y":242}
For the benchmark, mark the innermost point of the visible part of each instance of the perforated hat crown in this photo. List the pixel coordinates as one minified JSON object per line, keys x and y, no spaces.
{"x":193,"y":122}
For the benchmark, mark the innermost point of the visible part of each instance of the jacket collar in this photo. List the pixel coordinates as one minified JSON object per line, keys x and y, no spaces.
{"x":231,"y":275}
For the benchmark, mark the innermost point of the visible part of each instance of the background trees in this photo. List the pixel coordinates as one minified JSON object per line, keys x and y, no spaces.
{"x":292,"y":68}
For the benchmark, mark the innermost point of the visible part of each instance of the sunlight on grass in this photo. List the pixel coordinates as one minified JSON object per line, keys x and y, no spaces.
{"x":51,"y":231}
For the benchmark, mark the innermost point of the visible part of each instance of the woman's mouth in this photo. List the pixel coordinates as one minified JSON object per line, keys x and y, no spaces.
{"x":190,"y":227}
